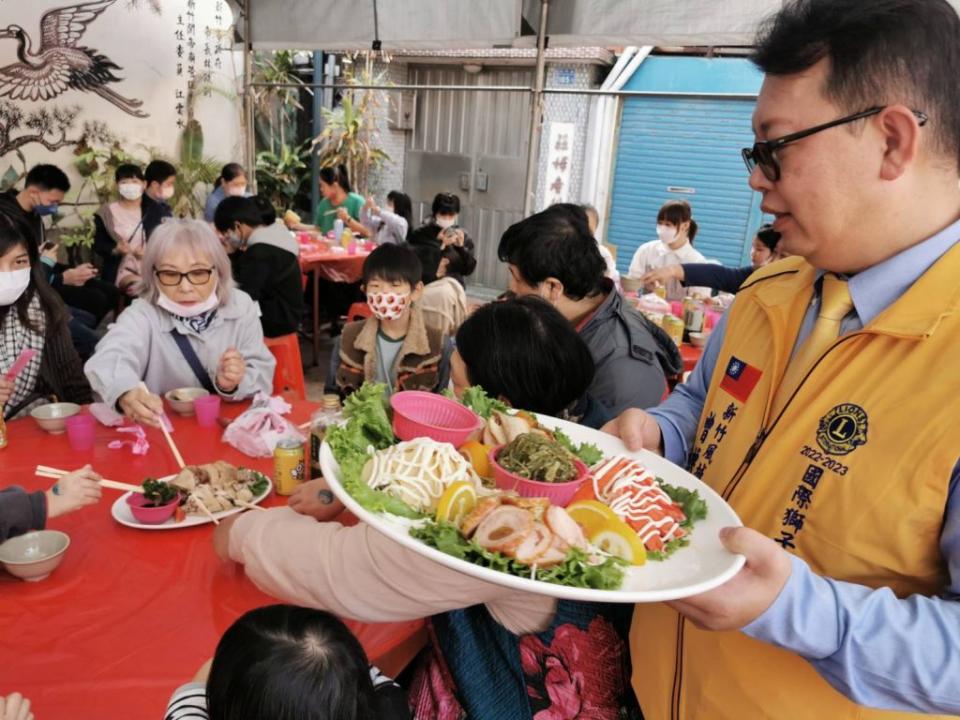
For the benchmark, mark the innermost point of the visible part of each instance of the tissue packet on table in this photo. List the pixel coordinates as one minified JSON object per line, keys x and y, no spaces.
{"x":258,"y":430}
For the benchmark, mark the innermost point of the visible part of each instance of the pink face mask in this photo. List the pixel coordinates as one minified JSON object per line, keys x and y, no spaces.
{"x":388,"y":305}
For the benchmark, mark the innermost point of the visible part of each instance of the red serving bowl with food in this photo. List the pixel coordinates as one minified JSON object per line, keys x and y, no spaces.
{"x":557,"y":493}
{"x":421,"y":414}
{"x":151,"y":515}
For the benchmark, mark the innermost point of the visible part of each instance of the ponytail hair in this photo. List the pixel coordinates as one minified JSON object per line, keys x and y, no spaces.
{"x":677,"y":212}
{"x":336,"y":176}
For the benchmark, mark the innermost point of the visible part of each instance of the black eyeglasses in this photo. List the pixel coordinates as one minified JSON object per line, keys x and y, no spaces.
{"x":172,"y":278}
{"x":763,"y":152}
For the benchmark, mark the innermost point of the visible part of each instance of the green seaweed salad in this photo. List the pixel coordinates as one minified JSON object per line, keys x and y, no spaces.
{"x":368,"y":426}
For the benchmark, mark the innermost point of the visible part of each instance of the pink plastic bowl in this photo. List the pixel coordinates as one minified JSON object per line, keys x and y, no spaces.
{"x":151,"y":515}
{"x":558,"y":493}
{"x":422,"y":414}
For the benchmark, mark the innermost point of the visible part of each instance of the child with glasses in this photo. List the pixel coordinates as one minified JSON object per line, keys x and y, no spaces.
{"x":190,"y":327}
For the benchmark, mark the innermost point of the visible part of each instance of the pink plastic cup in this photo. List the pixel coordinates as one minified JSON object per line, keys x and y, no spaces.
{"x":676,"y":307}
{"x":711,"y":318}
{"x":207,"y":409}
{"x":80,"y":430}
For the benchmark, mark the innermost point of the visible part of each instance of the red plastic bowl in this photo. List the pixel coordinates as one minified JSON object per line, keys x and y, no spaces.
{"x":558,"y":493}
{"x":421,"y":414}
{"x":151,"y":515}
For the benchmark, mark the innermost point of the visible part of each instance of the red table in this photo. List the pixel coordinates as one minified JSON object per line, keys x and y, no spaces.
{"x":333,"y":264}
{"x":691,"y":356}
{"x":131,"y":614}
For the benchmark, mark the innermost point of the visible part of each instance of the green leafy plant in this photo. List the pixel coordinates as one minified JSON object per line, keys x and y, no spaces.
{"x":276,"y":106}
{"x":350,"y":135}
{"x":282,"y":175}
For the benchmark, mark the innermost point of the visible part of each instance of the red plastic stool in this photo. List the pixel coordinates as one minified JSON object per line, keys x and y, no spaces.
{"x":288,"y":377}
{"x":359,"y":311}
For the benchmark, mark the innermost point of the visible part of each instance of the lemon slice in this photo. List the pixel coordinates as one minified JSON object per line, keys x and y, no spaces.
{"x":607,"y":531}
{"x":457,"y":500}
{"x":478,"y":455}
{"x":591,"y":515}
{"x":622,"y":542}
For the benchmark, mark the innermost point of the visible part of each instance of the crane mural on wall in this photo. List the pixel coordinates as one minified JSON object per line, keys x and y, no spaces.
{"x":60,"y":64}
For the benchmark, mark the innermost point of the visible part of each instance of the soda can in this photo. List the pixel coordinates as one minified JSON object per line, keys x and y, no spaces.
{"x":288,"y":466}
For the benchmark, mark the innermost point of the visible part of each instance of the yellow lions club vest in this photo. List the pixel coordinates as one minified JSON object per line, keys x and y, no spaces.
{"x":852,"y":476}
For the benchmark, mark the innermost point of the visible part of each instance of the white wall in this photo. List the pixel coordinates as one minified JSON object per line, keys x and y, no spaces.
{"x":143,"y":42}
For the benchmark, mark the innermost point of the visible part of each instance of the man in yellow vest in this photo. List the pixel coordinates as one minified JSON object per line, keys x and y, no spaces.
{"x":826,"y":409}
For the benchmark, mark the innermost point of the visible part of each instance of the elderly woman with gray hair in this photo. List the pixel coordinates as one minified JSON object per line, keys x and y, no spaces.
{"x":189,"y":327}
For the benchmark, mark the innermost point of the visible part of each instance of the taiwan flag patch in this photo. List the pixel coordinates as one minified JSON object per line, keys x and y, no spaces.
{"x":740,"y":379}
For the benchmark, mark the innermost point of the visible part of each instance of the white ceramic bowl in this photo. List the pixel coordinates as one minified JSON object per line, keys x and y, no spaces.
{"x":53,"y":417}
{"x":181,"y":399}
{"x":35,"y":555}
{"x":699,"y":339}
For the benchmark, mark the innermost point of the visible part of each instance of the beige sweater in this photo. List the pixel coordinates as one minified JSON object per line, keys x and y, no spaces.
{"x":355,"y":572}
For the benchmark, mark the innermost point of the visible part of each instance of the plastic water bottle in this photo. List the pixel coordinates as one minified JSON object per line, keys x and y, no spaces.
{"x":337,"y":229}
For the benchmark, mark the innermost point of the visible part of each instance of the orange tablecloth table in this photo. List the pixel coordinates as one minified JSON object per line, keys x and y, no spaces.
{"x":131,"y":614}
{"x":333,"y":264}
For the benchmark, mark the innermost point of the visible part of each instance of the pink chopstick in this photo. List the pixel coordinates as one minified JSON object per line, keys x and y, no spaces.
{"x":20,"y":363}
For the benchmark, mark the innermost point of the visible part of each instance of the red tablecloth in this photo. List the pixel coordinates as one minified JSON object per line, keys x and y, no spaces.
{"x":691,"y":356}
{"x":130,"y":614}
{"x":331,"y":265}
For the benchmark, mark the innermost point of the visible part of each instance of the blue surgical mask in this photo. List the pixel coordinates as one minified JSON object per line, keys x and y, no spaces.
{"x":50,"y":209}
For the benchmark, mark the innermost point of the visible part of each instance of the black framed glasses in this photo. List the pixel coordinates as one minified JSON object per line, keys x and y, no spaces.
{"x":763,"y":152}
{"x":172,"y":278}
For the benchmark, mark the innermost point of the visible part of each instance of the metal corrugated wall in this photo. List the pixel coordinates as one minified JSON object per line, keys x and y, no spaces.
{"x":470,"y":132}
{"x":684,"y":148}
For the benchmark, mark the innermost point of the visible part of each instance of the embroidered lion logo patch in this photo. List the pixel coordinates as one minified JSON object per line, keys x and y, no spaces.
{"x":843,"y":429}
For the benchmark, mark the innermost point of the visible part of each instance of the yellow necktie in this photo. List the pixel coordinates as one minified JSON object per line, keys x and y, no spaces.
{"x":835,"y":304}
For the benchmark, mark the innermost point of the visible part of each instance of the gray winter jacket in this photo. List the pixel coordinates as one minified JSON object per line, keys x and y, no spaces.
{"x":139,"y":346}
{"x":632,"y":356}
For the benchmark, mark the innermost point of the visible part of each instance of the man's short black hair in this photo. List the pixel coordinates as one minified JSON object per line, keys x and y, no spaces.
{"x":524,"y":350}
{"x":47,"y":177}
{"x":127,"y":171}
{"x":445,"y":204}
{"x":268,"y":213}
{"x":555,"y":243}
{"x":233,"y":210}
{"x":881,"y":52}
{"x":393,"y":263}
{"x":159,"y":171}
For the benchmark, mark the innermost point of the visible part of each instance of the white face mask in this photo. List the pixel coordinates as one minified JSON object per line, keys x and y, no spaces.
{"x":667,"y":234}
{"x":167,"y":193}
{"x":130,"y":191}
{"x":236,"y":191}
{"x":186,"y":311}
{"x":13,"y":284}
{"x":447,"y":221}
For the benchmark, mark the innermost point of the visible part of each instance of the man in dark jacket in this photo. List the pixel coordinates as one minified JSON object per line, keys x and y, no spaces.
{"x":552,"y":254}
{"x":443,"y":229}
{"x":43,"y":191}
{"x":161,"y":178}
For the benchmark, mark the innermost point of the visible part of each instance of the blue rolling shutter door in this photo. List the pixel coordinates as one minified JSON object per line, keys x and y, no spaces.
{"x":669,"y":147}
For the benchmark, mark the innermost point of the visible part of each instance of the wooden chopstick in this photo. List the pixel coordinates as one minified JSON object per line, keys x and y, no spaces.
{"x":166,"y":434}
{"x":205,"y":509}
{"x":55,"y":474}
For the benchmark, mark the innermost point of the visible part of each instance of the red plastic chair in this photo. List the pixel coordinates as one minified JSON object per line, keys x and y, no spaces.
{"x":359,"y":311}
{"x":288,"y":377}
